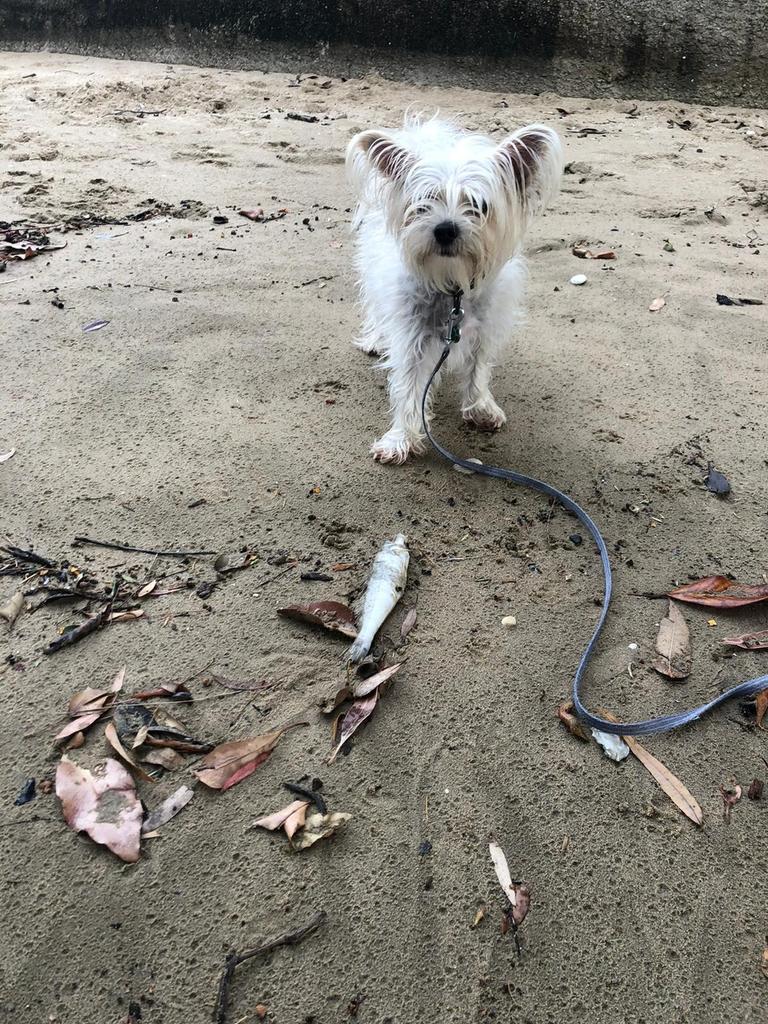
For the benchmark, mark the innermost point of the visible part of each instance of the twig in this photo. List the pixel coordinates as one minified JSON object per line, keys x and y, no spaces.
{"x":27,"y":556}
{"x":141,"y":113}
{"x":235,"y":959}
{"x":140,"y":551}
{"x":87,"y":627}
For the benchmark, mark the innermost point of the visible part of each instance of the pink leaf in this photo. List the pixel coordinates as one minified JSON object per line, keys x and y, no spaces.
{"x":103,"y":803}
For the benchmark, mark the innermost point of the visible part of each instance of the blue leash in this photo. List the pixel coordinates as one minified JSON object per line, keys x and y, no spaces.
{"x":643,"y":728}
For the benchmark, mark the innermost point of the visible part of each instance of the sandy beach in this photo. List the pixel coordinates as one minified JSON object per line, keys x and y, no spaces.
{"x":223,"y":406}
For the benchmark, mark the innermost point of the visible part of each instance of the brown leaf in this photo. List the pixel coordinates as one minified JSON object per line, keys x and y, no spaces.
{"x":749,"y":641}
{"x":110,"y":733}
{"x":522,"y":904}
{"x":146,"y":589}
{"x":230,"y":763}
{"x":761,"y":706}
{"x":87,"y":706}
{"x":673,"y":645}
{"x":165,"y":757}
{"x":720,"y":592}
{"x":358,"y":713}
{"x":586,"y":254}
{"x":257,"y":214}
{"x":573,"y":724}
{"x":657,"y":304}
{"x":731,"y":794}
{"x":362,"y":687}
{"x":165,"y":690}
{"x":672,"y":786}
{"x":12,"y":608}
{"x":755,"y":791}
{"x":167,"y":809}
{"x":479,"y":915}
{"x":290,"y":818}
{"x":228,"y":561}
{"x":764,"y":963}
{"x":318,"y":826}
{"x":331,"y":615}
{"x":103,"y":803}
{"x":408,"y":623}
{"x":127,"y":615}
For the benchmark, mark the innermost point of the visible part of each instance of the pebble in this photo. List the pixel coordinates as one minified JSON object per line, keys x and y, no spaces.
{"x":509,"y":621}
{"x":579,"y":279}
{"x":468,"y":472}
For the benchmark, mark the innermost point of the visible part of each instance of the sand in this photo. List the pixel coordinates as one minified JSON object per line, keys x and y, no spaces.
{"x":227,"y":373}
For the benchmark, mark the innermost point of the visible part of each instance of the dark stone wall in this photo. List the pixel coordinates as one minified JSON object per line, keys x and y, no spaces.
{"x":708,"y":50}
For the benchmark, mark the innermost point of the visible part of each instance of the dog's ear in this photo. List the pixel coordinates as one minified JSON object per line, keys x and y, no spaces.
{"x":531,"y":162}
{"x":381,"y":152}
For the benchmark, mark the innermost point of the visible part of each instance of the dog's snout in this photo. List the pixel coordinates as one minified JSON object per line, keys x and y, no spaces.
{"x":446,"y":232}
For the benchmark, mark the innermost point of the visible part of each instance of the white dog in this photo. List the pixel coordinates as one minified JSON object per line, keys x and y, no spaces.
{"x":442,"y":210}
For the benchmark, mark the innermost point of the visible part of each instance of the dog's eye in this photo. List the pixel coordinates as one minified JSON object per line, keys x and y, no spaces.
{"x":478,"y":209}
{"x":422,"y":210}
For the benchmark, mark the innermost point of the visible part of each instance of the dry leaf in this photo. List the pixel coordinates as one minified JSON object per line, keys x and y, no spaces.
{"x":127,"y":615}
{"x":586,"y":254}
{"x":720,"y":592}
{"x":408,"y":623}
{"x":228,"y":561}
{"x":165,"y":757}
{"x":165,"y":690}
{"x":230,"y":763}
{"x":672,"y":786}
{"x":167,"y":809}
{"x":764,"y":962}
{"x":731,"y":795}
{"x":362,"y":687}
{"x":318,"y":826}
{"x":257,"y":214}
{"x":290,"y":818}
{"x":755,"y":791}
{"x":673,"y":645}
{"x":331,"y":615}
{"x":358,"y":713}
{"x":657,"y":304}
{"x":103,"y":803}
{"x":4,"y":456}
{"x":111,"y":736}
{"x":87,"y":706}
{"x":479,"y":915}
{"x":12,"y":608}
{"x":147,"y":589}
{"x":749,"y":641}
{"x":574,"y":725}
{"x":761,"y":706}
{"x":502,"y":871}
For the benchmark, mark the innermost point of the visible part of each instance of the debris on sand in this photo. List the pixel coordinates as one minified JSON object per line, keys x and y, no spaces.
{"x":584,"y":253}
{"x":331,"y":615}
{"x":566,"y":714}
{"x":385,"y":588}
{"x":726,"y":300}
{"x":229,"y":561}
{"x":12,"y":608}
{"x":168,"y":809}
{"x":24,"y":243}
{"x":755,"y":791}
{"x":720,"y":592}
{"x":613,"y":746}
{"x":748,"y":641}
{"x":230,"y":763}
{"x":364,"y":694}
{"x":657,"y":304}
{"x":517,"y":892}
{"x":716,"y":482}
{"x":88,"y":706}
{"x":102,"y":803}
{"x":26,"y":793}
{"x":303,"y":829}
{"x":578,"y":279}
{"x":4,"y":456}
{"x":673,"y":645}
{"x":731,"y":794}
{"x":235,"y":959}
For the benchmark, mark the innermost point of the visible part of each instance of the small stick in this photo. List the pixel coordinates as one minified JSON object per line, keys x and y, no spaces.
{"x":140,"y":551}
{"x":235,"y":959}
{"x":87,"y":627}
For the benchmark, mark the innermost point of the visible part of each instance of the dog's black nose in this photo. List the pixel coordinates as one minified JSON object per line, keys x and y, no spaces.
{"x":446,"y":232}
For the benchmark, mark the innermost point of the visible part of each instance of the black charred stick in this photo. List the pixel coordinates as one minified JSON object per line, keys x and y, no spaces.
{"x":28,"y":556}
{"x":140,"y":551}
{"x":235,"y":959}
{"x":307,"y":794}
{"x":87,"y":627}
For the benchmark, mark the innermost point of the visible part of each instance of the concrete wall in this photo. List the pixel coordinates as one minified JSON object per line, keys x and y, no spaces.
{"x":707,"y":50}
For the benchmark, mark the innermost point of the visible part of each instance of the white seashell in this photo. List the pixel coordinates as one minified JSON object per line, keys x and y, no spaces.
{"x":579,"y":279}
{"x":467,"y":472}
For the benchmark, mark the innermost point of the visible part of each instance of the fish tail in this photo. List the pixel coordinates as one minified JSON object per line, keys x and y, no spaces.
{"x":359,"y":648}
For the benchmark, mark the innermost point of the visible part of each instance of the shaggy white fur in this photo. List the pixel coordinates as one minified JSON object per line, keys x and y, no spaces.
{"x":440,"y":209}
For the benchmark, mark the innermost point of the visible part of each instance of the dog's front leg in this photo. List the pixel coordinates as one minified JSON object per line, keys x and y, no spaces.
{"x":478,"y":406}
{"x":409,"y":368}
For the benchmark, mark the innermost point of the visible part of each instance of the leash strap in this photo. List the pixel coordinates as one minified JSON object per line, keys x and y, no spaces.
{"x":643,"y":728}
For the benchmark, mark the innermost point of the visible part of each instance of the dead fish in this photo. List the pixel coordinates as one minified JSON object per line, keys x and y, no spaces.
{"x":385,"y":588}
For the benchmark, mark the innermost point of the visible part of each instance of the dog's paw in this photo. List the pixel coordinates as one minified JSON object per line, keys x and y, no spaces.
{"x":394,"y":447}
{"x":485,"y":415}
